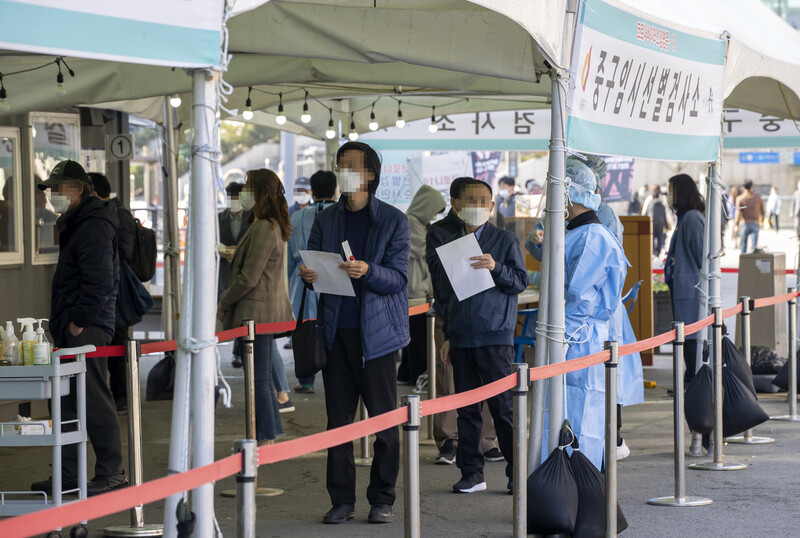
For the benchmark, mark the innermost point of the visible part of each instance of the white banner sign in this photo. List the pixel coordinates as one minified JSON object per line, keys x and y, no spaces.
{"x":745,"y":129}
{"x":175,"y":33}
{"x":640,"y":89}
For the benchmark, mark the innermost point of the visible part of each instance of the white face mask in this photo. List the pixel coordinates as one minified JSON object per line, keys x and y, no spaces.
{"x":504,"y":193}
{"x":60,"y":203}
{"x":349,"y":180}
{"x":236,"y":205}
{"x":247,"y":200}
{"x":303,"y":198}
{"x":475,"y":216}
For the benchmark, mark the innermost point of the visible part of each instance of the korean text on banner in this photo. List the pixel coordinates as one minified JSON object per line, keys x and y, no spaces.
{"x":641,"y":89}
{"x":152,"y":32}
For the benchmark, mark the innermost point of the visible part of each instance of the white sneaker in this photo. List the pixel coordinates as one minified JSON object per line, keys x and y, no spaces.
{"x":623,"y":451}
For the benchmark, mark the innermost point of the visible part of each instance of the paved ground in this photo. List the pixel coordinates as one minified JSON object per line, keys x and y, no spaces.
{"x":761,"y":500}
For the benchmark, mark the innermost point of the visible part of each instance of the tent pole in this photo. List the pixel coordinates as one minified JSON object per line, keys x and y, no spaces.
{"x":289,"y":158}
{"x":171,"y":296}
{"x":555,"y":238}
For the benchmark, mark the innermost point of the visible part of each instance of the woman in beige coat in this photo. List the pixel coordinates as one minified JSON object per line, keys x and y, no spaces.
{"x":256,"y":287}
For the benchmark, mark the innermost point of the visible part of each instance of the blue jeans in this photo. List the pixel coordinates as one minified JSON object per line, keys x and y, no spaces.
{"x":278,"y":369}
{"x":268,"y":418}
{"x":750,"y":229}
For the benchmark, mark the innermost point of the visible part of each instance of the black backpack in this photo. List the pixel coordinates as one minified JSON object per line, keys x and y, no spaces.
{"x":143,"y":261}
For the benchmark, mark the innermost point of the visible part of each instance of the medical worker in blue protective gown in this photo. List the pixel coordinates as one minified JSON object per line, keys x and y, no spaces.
{"x":596,"y":267}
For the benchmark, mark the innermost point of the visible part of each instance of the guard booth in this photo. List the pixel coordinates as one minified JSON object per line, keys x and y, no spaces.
{"x":763,"y":274}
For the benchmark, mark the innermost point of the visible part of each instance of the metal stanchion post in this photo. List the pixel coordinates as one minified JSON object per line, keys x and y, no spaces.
{"x":411,"y":465}
{"x":431,"y":323}
{"x":680,"y":498}
{"x":246,"y":488}
{"x":611,"y":439}
{"x":520,"y":485}
{"x":137,"y":528}
{"x":792,"y":416}
{"x":366,"y":455}
{"x":747,"y":438}
{"x":718,"y":463}
{"x":250,"y":402}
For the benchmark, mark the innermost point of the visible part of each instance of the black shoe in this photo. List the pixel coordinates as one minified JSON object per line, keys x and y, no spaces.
{"x":339,"y":514}
{"x":510,"y":486}
{"x":236,"y":362}
{"x":288,"y":345}
{"x":122,"y":406}
{"x":470,"y":483}
{"x":447,"y":454}
{"x":493,"y":454}
{"x":381,"y":513}
{"x":46,"y":486}
{"x":102,"y":484}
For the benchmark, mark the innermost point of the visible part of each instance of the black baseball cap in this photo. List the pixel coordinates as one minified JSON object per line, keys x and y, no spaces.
{"x":66,"y":171}
{"x":455,"y":186}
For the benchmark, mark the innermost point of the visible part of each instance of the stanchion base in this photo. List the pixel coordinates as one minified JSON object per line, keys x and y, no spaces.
{"x":260,"y":492}
{"x":146,"y":530}
{"x":787,"y":418}
{"x":718,"y":466}
{"x":363,"y":462}
{"x":685,"y":501}
{"x":741,"y":440}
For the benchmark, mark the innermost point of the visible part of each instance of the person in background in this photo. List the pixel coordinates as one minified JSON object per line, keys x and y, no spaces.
{"x":83,"y":312}
{"x":126,"y":237}
{"x":635,"y":204}
{"x":774,"y":208}
{"x":363,"y":333}
{"x":233,"y":224}
{"x":479,"y":334}
{"x":301,"y":194}
{"x":734,"y":195}
{"x":445,"y":429}
{"x":426,"y":204}
{"x":658,"y":213}
{"x":750,"y":214}
{"x":796,"y":210}
{"x":505,"y":202}
{"x":323,"y":191}
{"x":533,"y":187}
{"x":256,"y":287}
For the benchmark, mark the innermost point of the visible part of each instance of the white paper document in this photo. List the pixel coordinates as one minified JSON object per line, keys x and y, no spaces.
{"x":466,"y":280}
{"x":331,"y":279}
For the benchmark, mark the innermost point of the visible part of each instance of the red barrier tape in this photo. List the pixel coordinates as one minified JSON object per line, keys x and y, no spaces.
{"x":699,"y":325}
{"x":650,"y":343}
{"x":729,"y":313}
{"x":117,"y":501}
{"x":724,"y":270}
{"x":421,"y":309}
{"x":770,"y":301}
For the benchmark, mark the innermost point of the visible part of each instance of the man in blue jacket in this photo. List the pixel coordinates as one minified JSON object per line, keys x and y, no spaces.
{"x":363,"y":333}
{"x":480,"y":334}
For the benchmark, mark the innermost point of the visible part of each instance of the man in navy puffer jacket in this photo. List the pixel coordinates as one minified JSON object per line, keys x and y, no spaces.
{"x":363,"y":333}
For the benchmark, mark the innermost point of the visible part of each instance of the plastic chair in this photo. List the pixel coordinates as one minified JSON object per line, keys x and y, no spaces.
{"x":530,"y":315}
{"x":631,"y":296}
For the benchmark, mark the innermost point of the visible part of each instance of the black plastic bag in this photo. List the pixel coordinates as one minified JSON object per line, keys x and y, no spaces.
{"x":733,"y":360}
{"x":591,"y":520}
{"x":740,"y":409}
{"x":782,"y":379}
{"x":552,"y":492}
{"x":161,"y":379}
{"x":765,"y":361}
{"x":698,"y":404}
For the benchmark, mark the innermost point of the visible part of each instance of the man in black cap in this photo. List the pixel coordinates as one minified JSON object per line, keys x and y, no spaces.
{"x":82,"y":312}
{"x":301,"y":194}
{"x":445,"y":430}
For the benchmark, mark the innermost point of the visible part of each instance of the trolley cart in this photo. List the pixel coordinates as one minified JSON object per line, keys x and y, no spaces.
{"x":49,"y":382}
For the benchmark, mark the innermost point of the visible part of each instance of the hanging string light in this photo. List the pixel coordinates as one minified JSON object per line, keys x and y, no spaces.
{"x":433,"y":127}
{"x":280,"y":119}
{"x":248,"y":106}
{"x":352,"y":135}
{"x":400,"y":123}
{"x":175,"y":101}
{"x":305,"y":117}
{"x":4,"y":104}
{"x":373,"y":125}
{"x":331,"y":132}
{"x":60,"y":89}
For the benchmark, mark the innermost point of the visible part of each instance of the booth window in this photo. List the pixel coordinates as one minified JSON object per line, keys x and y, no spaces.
{"x":10,"y":198}
{"x":56,"y":137}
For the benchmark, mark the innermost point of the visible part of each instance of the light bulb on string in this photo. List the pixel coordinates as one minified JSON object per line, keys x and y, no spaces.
{"x":4,"y":104}
{"x":280,"y":119}
{"x":400,"y":123}
{"x":248,"y":106}
{"x":175,"y":101}
{"x":305,"y":117}
{"x":353,"y":134}
{"x":60,"y":89}
{"x":331,"y":132}
{"x":433,"y":127}
{"x":373,"y":125}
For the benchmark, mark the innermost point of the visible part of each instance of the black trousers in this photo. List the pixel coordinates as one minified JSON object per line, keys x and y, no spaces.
{"x":472,"y":368}
{"x":346,"y":377}
{"x":117,"y":369}
{"x":415,"y":355}
{"x":101,"y":414}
